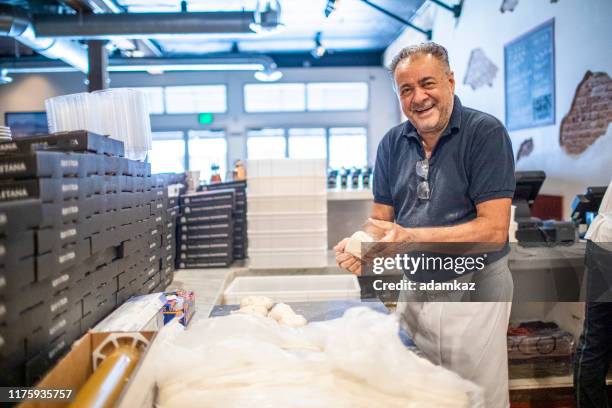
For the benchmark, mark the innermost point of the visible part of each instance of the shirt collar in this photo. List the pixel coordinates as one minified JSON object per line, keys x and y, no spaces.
{"x":454,"y":122}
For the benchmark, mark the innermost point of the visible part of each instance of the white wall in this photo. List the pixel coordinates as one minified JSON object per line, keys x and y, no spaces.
{"x":28,"y":92}
{"x":582,"y":42}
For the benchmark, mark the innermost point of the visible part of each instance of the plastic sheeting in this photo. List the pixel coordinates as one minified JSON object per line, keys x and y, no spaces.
{"x":354,"y":361}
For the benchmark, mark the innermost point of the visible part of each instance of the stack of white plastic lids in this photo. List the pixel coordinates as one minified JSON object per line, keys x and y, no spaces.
{"x":72,"y":112}
{"x":120,"y":113}
{"x":5,"y":133}
{"x":126,"y":117}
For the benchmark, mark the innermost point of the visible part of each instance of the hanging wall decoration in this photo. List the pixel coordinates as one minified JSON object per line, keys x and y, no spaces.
{"x":508,"y":5}
{"x":589,"y":115}
{"x":480,"y":71}
{"x":525,"y":149}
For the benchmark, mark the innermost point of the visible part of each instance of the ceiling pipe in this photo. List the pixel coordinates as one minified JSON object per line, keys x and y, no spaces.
{"x":141,"y":25}
{"x":16,"y":23}
{"x":148,"y":47}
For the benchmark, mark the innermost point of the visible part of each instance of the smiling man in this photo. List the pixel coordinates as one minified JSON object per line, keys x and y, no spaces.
{"x":447,"y":175}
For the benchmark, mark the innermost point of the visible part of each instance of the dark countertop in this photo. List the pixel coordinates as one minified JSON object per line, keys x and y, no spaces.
{"x":314,"y":311}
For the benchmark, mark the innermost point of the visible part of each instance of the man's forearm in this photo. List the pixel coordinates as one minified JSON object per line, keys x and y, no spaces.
{"x":477,"y":230}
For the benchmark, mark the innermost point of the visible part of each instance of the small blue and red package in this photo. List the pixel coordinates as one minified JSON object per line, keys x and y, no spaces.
{"x":179,"y":304}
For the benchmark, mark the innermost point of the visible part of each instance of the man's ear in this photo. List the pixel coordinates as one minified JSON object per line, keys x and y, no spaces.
{"x":451,"y":80}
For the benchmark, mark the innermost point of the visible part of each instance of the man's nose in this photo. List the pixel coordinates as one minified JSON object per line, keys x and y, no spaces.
{"x":419,"y":96}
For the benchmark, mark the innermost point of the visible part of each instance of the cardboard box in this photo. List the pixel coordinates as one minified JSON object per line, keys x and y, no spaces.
{"x":73,"y":370}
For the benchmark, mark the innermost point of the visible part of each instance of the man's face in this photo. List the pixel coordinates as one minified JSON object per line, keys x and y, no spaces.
{"x":425,"y":90}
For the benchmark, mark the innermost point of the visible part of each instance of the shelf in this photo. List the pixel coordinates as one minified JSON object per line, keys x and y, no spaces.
{"x":349,"y":194}
{"x":565,"y":381}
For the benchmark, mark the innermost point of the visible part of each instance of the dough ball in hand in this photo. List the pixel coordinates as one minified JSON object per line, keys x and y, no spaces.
{"x":257,"y":310}
{"x":353,"y":246}
{"x":257,"y":301}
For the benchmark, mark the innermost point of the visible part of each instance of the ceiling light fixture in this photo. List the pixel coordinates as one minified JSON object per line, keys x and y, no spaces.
{"x":319,"y":50}
{"x":267,"y":17}
{"x":268,"y":74}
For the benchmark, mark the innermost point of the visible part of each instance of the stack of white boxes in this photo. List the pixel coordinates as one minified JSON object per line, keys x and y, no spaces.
{"x":287,"y":213}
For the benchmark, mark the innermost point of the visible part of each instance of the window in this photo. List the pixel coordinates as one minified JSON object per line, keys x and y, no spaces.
{"x":337,"y":96}
{"x":196,"y":99}
{"x":274,"y":98}
{"x":348,"y":147}
{"x":307,"y":143}
{"x":266,"y":144}
{"x":155,"y":98}
{"x":168,"y":153}
{"x":207,"y":147}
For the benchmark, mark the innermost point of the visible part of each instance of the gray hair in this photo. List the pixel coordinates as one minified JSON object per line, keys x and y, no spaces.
{"x":432,"y":48}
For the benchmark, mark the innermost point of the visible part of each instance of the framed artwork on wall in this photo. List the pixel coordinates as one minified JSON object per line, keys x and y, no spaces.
{"x":529,"y":78}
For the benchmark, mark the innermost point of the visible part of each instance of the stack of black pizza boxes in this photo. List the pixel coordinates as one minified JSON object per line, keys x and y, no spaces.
{"x":81,"y":230}
{"x":212,"y":227}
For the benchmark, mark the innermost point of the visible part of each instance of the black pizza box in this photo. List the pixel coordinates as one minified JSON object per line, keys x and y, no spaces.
{"x":211,"y":217}
{"x":190,"y":210}
{"x":74,"y":141}
{"x":168,"y":236}
{"x":56,"y":261}
{"x":56,"y":214}
{"x":238,"y":185}
{"x":203,"y":255}
{"x":206,"y":246}
{"x":112,"y":184}
{"x":157,"y":208}
{"x":205,"y":198}
{"x":17,"y":274}
{"x":37,"y":292}
{"x":50,"y":328}
{"x":40,"y":164}
{"x":204,"y":263}
{"x":48,"y":239}
{"x":20,"y":215}
{"x":167,"y":271}
{"x":16,"y":246}
{"x":223,"y":227}
{"x":12,"y":345}
{"x":47,"y":190}
{"x":152,"y":284}
{"x":114,"y":165}
{"x":205,"y":235}
{"x":167,"y":259}
{"x":169,"y":248}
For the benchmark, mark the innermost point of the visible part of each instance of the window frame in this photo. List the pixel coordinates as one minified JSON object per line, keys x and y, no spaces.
{"x":306,"y":110}
{"x":224,"y":85}
{"x":327,"y":137}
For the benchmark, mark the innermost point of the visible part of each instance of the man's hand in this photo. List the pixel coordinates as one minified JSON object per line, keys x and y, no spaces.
{"x":389,"y":231}
{"x":345,"y":260}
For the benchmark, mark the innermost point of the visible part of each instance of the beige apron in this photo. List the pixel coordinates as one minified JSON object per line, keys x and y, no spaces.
{"x":468,"y":338}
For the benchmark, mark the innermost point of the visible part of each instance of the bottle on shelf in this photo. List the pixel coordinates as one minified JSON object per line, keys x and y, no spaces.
{"x":343,"y":178}
{"x":332,"y":178}
{"x":355,"y":177}
{"x":215,"y":177}
{"x":239,"y":172}
{"x":366,"y":174}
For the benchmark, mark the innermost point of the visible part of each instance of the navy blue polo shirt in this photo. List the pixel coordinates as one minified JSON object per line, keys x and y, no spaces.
{"x":471,"y":163}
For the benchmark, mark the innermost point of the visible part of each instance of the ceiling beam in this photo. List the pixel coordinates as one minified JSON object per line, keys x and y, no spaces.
{"x":141,"y":25}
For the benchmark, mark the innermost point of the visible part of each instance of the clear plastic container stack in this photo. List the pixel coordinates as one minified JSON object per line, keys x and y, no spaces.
{"x":121,"y":113}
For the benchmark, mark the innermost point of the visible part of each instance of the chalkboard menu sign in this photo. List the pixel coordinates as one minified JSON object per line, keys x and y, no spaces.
{"x":530,"y":78}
